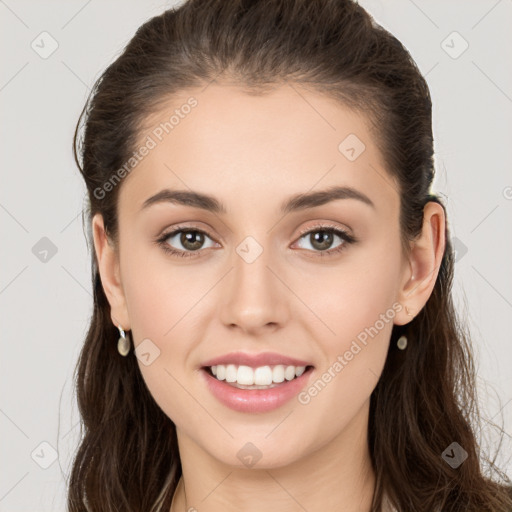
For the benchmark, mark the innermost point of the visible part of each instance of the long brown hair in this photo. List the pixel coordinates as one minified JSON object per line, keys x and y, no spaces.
{"x":426,"y":397}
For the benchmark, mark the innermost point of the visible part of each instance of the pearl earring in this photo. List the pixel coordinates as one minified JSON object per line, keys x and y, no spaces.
{"x":402,"y":342}
{"x":123,"y":344}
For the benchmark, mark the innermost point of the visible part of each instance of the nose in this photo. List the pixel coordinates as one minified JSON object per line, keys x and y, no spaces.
{"x":254,"y":297}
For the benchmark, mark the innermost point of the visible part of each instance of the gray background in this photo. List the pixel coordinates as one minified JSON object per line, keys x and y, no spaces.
{"x":45,"y":298}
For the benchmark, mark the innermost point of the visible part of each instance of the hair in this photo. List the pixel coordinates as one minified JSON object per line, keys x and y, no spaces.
{"x":426,"y":397}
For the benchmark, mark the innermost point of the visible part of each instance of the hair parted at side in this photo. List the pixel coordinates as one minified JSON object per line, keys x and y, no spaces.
{"x":426,"y":397}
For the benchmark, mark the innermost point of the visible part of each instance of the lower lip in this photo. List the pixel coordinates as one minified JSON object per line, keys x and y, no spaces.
{"x":255,"y":400}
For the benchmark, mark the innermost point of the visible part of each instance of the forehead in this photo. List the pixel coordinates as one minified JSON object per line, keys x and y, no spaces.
{"x":238,"y":146}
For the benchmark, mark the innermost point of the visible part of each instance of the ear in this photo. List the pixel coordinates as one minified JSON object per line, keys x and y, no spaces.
{"x":423,"y":264}
{"x":108,"y":266}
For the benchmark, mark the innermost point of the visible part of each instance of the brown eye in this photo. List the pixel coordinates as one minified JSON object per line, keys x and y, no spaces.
{"x":190,"y":240}
{"x":321,"y":239}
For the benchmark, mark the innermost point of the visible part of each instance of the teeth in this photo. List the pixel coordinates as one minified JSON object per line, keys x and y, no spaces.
{"x":231,"y":373}
{"x":261,"y":376}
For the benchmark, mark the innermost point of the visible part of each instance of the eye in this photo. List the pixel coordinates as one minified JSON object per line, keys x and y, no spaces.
{"x":321,"y":237}
{"x":191,"y":239}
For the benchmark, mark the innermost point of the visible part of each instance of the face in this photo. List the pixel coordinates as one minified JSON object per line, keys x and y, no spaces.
{"x":255,"y":278}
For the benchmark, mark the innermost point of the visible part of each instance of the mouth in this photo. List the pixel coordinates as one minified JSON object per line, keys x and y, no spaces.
{"x":253,"y":390}
{"x":262,"y":377}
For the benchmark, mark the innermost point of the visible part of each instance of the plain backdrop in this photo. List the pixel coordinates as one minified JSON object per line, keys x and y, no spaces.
{"x":51,"y":54}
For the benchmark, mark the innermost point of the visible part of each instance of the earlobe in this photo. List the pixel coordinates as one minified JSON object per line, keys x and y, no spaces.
{"x":424,"y":263}
{"x":108,"y":266}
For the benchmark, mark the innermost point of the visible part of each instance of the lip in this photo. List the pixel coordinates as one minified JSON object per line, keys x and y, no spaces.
{"x":255,"y":360}
{"x":256,"y":400}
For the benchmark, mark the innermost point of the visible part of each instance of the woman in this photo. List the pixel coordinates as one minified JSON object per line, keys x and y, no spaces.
{"x":273,"y":325}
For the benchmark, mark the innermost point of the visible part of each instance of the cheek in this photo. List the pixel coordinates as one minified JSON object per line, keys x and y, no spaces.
{"x":352,"y":297}
{"x":161,"y":311}
{"x":355,"y":304}
{"x":164,"y":304}
{"x":360,"y":317}
{"x":160,"y":292}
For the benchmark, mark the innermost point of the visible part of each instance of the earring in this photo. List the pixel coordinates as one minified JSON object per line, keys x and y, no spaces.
{"x":123,"y":344}
{"x":402,"y":342}
{"x":407,"y":311}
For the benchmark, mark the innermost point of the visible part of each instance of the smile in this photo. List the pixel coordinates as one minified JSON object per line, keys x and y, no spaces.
{"x":257,"y":390}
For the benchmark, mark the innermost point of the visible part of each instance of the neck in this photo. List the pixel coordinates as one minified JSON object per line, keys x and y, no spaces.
{"x":337,"y":476}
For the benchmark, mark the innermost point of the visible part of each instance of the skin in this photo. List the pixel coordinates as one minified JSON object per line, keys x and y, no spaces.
{"x":252,"y":153}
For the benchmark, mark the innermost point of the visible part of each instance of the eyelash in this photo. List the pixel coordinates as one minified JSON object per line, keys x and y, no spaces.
{"x":347,"y":239}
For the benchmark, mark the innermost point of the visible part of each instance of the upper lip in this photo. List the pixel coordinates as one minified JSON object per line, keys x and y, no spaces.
{"x":255,"y":360}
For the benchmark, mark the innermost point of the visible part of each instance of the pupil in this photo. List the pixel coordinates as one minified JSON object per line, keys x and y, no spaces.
{"x":325,"y":239}
{"x":187,"y":240}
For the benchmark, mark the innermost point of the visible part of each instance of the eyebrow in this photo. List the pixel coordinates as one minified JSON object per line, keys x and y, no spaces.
{"x":297,"y":202}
